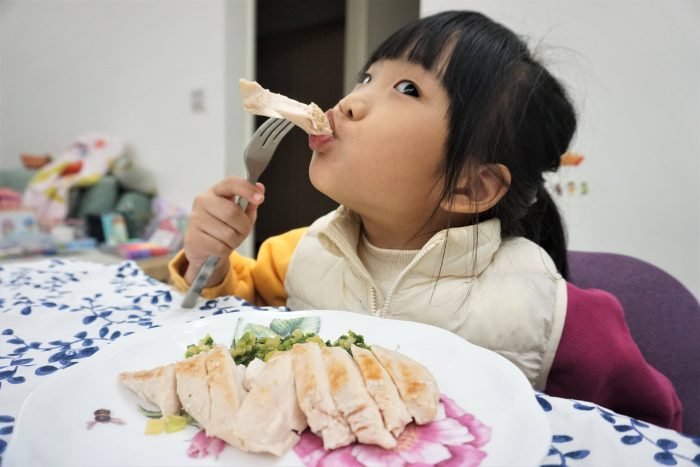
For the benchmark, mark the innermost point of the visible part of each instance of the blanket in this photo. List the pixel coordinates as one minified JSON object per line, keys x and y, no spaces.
{"x":83,"y":163}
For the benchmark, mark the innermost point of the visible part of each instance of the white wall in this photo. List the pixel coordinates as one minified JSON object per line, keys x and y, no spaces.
{"x":127,"y":68}
{"x":367,"y":24}
{"x":634,"y":71}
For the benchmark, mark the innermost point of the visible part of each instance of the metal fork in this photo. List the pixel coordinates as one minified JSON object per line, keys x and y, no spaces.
{"x":257,"y":156}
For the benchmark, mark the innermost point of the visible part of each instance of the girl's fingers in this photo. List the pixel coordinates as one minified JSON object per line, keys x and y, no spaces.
{"x":252,"y":208}
{"x":236,"y":186}
{"x":217,"y":224}
{"x":228,"y":212}
{"x":230,"y":233}
{"x":212,"y":244}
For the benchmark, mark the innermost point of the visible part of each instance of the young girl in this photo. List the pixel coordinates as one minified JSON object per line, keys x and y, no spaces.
{"x":437,"y":162}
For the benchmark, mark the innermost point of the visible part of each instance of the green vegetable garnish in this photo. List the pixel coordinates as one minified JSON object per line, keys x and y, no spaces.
{"x":150,"y":413}
{"x":249,"y":347}
{"x":204,"y":345}
{"x":175,"y":423}
{"x":262,"y":342}
{"x":346,"y":341}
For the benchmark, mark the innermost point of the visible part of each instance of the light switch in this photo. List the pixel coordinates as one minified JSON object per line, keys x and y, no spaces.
{"x":197,"y":100}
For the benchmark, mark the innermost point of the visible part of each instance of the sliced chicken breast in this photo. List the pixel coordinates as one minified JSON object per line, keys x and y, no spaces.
{"x":259,"y":101}
{"x":382,"y":389}
{"x":241,"y":372}
{"x":314,"y":397}
{"x":193,"y":389}
{"x":352,"y":399}
{"x":270,"y":418}
{"x":416,"y":385}
{"x":251,"y":372}
{"x":225,"y":392}
{"x":157,"y":386}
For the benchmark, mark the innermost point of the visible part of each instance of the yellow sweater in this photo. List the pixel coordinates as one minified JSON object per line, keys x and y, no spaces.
{"x":259,"y":281}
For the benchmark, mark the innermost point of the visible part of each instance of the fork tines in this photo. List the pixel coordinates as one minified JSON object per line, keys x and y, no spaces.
{"x":273,"y":127}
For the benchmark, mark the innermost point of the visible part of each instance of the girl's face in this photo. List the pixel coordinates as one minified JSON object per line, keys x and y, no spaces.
{"x":385,"y":159}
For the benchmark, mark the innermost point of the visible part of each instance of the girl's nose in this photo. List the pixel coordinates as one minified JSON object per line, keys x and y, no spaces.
{"x":353,"y":106}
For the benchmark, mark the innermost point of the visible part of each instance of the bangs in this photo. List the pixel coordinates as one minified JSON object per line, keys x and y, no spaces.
{"x":435,"y":41}
{"x":428,"y":43}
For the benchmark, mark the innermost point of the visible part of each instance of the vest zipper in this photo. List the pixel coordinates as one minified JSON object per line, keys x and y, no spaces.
{"x":362,"y":272}
{"x":373,"y":300}
{"x":360,"y":269}
{"x":387,"y":302}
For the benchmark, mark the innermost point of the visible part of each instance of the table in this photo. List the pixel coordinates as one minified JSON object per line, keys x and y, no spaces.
{"x":156,"y":266}
{"x":56,"y":312}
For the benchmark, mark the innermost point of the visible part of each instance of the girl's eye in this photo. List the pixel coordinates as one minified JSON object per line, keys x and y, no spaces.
{"x":408,"y":88}
{"x":364,"y":78}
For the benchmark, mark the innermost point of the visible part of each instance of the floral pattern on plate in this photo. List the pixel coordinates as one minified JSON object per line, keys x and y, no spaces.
{"x":453,"y":439}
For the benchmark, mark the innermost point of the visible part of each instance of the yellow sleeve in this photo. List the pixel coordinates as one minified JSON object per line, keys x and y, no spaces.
{"x":258,"y":281}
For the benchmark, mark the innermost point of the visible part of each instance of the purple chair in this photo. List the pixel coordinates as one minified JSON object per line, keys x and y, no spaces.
{"x":663,"y":316}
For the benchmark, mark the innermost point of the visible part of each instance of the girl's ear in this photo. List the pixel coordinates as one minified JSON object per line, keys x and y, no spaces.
{"x":480,"y":191}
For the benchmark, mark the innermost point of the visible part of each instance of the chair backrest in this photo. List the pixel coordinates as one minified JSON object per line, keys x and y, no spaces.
{"x":663,"y":317}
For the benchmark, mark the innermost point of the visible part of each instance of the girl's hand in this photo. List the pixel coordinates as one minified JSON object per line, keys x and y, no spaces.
{"x":217,"y":225}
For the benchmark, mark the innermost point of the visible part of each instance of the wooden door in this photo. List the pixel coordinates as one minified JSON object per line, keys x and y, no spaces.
{"x":299,"y":54}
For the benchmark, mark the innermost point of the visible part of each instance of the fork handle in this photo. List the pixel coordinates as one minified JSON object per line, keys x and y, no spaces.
{"x":243,"y":202}
{"x":199,"y":282}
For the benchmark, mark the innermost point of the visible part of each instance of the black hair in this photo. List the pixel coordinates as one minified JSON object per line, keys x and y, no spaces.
{"x":505,"y":108}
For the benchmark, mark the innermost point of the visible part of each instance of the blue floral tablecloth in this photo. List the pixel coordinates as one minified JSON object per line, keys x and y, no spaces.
{"x":55,"y":313}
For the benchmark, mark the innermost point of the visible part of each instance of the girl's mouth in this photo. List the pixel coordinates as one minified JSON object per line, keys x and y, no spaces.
{"x":316,"y":142}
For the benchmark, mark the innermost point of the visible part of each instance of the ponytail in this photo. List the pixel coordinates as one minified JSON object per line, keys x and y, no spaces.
{"x":543,"y":225}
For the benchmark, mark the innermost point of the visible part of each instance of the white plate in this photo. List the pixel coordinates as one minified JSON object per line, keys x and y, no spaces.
{"x":52,"y":425}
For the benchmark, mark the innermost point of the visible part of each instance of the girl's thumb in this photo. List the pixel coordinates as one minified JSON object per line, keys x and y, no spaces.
{"x":252,"y":208}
